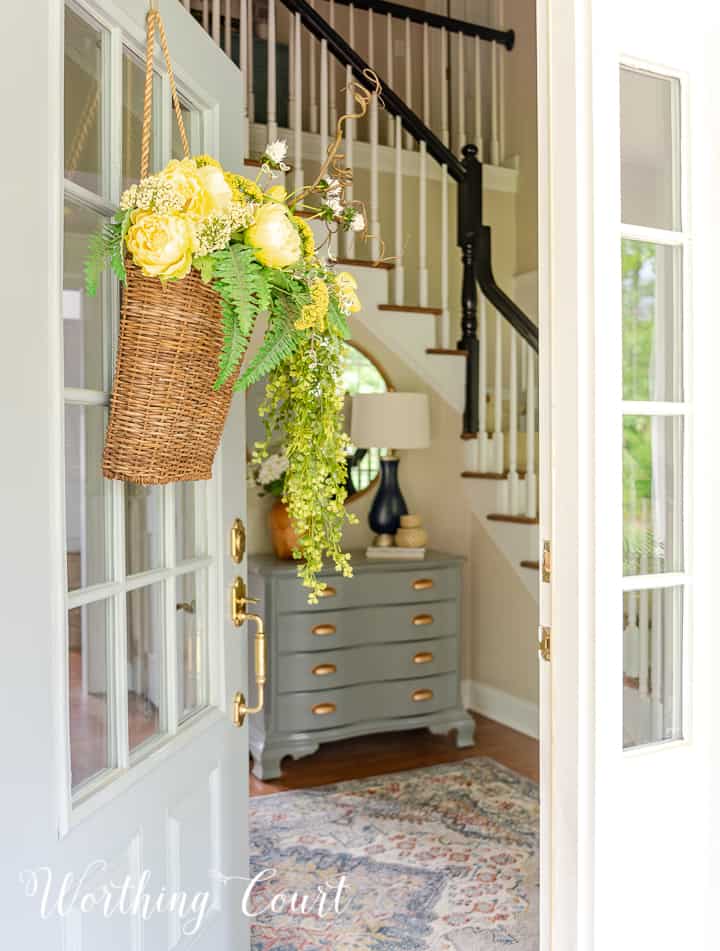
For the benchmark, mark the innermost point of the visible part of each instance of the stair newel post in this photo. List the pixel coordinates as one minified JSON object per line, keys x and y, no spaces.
{"x":469,"y":221}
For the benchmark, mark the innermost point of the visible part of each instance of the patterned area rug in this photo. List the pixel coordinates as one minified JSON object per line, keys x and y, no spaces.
{"x":437,"y":859}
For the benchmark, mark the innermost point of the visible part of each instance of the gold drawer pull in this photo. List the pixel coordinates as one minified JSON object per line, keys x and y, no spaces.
{"x":424,"y":657}
{"x":322,"y":670}
{"x":422,"y":584}
{"x":327,"y":592}
{"x":420,"y":695}
{"x":322,"y":709}
{"x":420,"y":619}
{"x":322,"y":630}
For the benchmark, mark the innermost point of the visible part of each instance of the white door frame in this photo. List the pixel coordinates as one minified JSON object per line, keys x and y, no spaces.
{"x":603,"y":887}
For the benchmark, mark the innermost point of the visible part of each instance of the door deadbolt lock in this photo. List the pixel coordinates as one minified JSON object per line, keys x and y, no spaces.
{"x":237,"y":541}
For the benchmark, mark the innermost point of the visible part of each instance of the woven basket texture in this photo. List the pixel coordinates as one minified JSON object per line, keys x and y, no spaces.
{"x":166,"y":419}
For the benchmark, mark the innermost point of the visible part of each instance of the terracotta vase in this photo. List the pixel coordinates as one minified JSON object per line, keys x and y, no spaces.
{"x":282,"y":532}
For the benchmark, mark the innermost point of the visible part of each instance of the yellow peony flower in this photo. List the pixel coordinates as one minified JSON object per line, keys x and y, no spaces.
{"x":346,"y":287}
{"x":276,"y":242}
{"x":161,"y":245}
{"x":213,"y":181}
{"x":203,"y":189}
{"x":277,"y":193}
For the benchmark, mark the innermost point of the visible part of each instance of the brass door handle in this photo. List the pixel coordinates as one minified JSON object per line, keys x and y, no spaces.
{"x":323,"y":630}
{"x":421,"y":619}
{"x":422,"y":584}
{"x":424,"y":657}
{"x":322,"y":670}
{"x":420,"y":695}
{"x":327,"y":592}
{"x":322,"y":709}
{"x":239,"y":616}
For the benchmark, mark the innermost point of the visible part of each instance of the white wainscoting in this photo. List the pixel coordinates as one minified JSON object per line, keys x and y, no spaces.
{"x":521,"y":715}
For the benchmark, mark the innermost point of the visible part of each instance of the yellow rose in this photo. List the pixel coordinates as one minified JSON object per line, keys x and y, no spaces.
{"x":276,"y":242}
{"x":184,"y":178}
{"x":346,"y":287}
{"x":161,"y":245}
{"x":216,"y":187}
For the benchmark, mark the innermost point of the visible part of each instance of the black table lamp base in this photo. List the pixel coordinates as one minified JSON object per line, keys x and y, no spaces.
{"x":388,"y":504}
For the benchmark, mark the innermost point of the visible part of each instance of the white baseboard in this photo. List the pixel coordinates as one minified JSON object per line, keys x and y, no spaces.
{"x":521,"y":715}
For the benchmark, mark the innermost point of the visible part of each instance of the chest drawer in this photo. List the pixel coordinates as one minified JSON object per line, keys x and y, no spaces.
{"x":414,"y":586}
{"x":329,"y":630}
{"x":321,"y":710}
{"x":324,"y":670}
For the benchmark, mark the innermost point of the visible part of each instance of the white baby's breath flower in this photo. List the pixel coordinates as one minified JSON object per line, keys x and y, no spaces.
{"x":332,"y":186}
{"x":358,"y":222}
{"x":334,"y":204}
{"x":276,"y":151}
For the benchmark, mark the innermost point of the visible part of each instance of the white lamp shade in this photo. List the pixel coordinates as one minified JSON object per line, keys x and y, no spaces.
{"x":390,"y":421}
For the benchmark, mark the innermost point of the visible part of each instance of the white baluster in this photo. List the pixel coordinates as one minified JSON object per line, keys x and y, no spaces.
{"x":186,"y":4}
{"x":498,"y":437}
{"x":444,"y":89}
{"x":390,"y":73}
{"x":408,"y":78}
{"x":374,"y":155}
{"x":494,"y":144}
{"x":206,"y":16}
{"x":313,"y":80}
{"x":349,"y":132}
{"x":242,"y":63}
{"x":661,"y":690}
{"x":513,"y":477}
{"x":228,"y":28}
{"x":478,"y":98}
{"x":530,"y":477}
{"x":332,"y":75}
{"x":399,"y":274}
{"x":462,"y":134}
{"x":483,"y":439}
{"x":298,"y":178}
{"x":501,"y":84}
{"x":216,"y":21}
{"x":324,"y":100}
{"x":443,"y":336}
{"x":291,"y":68}
{"x":631,"y":638}
{"x":423,"y":223}
{"x":249,"y":40}
{"x":271,"y":74}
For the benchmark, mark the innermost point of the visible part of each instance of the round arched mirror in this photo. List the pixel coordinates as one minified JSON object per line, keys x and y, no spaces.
{"x":362,"y":374}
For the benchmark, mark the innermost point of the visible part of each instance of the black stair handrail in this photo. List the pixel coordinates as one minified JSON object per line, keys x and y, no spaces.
{"x":474,"y":238}
{"x":399,"y":11}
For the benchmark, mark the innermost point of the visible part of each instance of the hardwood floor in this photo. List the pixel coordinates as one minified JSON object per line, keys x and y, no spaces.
{"x":391,"y":752}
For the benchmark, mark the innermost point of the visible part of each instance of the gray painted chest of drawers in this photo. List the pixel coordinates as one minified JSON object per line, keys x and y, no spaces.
{"x":379,"y":652}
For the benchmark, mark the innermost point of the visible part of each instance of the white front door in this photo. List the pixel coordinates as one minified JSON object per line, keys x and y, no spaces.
{"x":630,"y":226}
{"x":124,"y":783}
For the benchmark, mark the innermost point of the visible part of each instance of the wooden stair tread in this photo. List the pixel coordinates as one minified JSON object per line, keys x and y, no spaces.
{"x":356,"y":262}
{"x":446,"y":353}
{"x":407,"y":309}
{"x":471,"y":474}
{"x":534,"y":565}
{"x":515,"y":519}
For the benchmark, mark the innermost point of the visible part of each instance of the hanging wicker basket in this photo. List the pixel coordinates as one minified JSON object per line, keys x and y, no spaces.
{"x":166,"y":419}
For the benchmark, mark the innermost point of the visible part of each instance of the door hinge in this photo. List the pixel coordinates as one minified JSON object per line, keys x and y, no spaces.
{"x":544,"y":643}
{"x":546,"y":562}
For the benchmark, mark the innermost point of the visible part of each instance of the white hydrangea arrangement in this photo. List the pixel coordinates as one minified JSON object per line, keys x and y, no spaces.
{"x":269,"y":474}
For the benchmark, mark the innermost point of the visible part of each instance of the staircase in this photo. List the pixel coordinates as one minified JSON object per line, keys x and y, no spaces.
{"x":479,"y":356}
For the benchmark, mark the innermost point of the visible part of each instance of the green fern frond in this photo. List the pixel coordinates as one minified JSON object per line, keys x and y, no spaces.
{"x":337,"y":321}
{"x":280,"y":343}
{"x":235,"y":343}
{"x":241,"y":281}
{"x":106,"y":247}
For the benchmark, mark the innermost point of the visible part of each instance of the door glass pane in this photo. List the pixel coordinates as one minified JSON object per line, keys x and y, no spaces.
{"x":146,"y":686}
{"x":143,"y":527}
{"x":83,"y":102}
{"x":132,"y":119}
{"x":652,"y":494}
{"x":652,"y":665}
{"x":652,"y":313}
{"x":190,"y":520}
{"x":83,"y":326}
{"x":87,"y":497}
{"x":192,"y":627}
{"x":89,"y":630}
{"x":649,"y":137}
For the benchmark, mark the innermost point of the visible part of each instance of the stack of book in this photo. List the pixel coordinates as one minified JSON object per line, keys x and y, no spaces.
{"x":391,"y":552}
